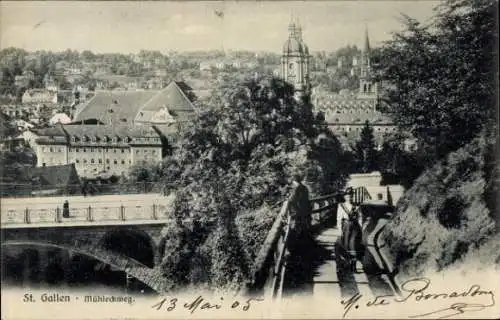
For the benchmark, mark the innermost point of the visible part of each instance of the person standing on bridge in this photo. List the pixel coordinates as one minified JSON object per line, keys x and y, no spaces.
{"x":66,"y":209}
{"x":84,"y":188}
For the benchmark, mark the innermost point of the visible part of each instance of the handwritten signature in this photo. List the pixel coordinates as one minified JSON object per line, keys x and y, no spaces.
{"x":201,"y":303}
{"x":417,"y":290}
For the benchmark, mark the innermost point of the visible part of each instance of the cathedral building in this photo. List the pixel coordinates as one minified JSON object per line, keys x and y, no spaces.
{"x":347,"y":113}
{"x":295,"y":61}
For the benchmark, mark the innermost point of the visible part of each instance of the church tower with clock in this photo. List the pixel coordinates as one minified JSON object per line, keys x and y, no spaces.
{"x":295,"y":61}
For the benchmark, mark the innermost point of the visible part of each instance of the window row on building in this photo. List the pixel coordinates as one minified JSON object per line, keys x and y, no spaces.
{"x":62,"y":144}
{"x":99,"y":150}
{"x":347,"y":128}
{"x":100,"y":161}
{"x":116,"y":139}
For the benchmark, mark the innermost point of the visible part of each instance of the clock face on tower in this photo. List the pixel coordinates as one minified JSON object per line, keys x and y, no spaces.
{"x":291,"y":70}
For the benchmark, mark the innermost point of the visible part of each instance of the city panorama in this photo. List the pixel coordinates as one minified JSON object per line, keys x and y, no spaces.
{"x":340,"y":151}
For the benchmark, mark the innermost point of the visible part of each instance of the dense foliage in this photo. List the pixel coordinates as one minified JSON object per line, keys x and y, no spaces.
{"x":442,"y":90}
{"x":236,"y":161}
{"x":365,"y":151}
{"x":13,"y":162}
{"x":447,"y":212}
{"x":395,"y":159}
{"x":441,"y":76}
{"x":400,"y":163}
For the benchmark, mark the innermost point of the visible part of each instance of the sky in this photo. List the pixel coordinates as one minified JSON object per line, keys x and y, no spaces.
{"x":129,"y":27}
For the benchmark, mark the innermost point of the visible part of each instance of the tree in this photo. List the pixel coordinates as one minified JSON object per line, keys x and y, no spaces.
{"x":229,"y":265}
{"x":397,"y":165}
{"x":88,"y":55}
{"x":443,"y":90}
{"x":441,"y":76}
{"x":365,"y":150}
{"x":175,"y":262}
{"x":240,"y":153}
{"x":258,"y":122}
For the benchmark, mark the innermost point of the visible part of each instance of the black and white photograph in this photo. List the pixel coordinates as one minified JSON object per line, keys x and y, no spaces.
{"x":249,"y":159}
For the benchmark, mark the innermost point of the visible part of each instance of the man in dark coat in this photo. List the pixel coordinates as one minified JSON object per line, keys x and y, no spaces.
{"x":300,"y":243}
{"x":348,"y":249}
{"x":66,"y":209}
{"x":300,"y":208}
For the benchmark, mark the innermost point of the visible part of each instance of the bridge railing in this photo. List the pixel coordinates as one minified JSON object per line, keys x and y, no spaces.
{"x":325,"y":207}
{"x":271,"y":262}
{"x":87,"y":213}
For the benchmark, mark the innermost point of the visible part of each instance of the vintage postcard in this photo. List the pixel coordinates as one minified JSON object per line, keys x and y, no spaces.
{"x":249,"y":159}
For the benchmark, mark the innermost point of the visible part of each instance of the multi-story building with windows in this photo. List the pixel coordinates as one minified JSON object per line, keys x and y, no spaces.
{"x":346,"y":113}
{"x":98,"y":150}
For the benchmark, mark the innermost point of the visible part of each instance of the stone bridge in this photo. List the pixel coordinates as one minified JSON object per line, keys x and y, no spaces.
{"x":124,"y":234}
{"x":134,"y":249}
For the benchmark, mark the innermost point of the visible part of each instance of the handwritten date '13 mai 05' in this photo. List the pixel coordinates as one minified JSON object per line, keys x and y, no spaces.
{"x":200,"y":303}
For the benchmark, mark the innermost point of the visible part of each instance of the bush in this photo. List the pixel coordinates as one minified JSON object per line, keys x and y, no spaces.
{"x":255,"y":225}
{"x":445,"y":214}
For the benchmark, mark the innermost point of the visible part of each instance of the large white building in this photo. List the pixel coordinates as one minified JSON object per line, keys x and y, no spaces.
{"x":98,"y":150}
{"x":39,"y":96}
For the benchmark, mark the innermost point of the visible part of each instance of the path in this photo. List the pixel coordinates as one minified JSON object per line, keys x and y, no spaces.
{"x":325,"y":282}
{"x":321,"y":292}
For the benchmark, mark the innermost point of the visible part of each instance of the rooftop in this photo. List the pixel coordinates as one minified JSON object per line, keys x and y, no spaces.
{"x":63,"y":134}
{"x":114,"y":106}
{"x":126,"y":106}
{"x":101,"y":131}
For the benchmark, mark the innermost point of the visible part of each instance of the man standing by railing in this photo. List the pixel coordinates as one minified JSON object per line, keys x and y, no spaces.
{"x":300,"y":208}
{"x":299,"y":240}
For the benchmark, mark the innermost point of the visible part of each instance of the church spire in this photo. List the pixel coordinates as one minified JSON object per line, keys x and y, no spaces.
{"x":366,"y":85}
{"x":366,"y":48}
{"x":365,"y":57}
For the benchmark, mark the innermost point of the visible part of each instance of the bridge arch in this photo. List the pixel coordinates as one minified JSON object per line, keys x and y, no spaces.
{"x":30,"y":243}
{"x":131,"y":242}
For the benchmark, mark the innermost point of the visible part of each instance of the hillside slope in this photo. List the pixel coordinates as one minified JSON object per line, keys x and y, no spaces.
{"x":447,"y":218}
